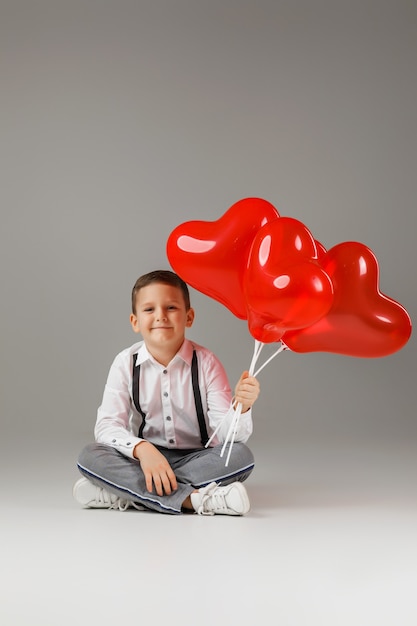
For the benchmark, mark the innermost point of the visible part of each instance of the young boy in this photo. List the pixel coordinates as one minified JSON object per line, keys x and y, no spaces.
{"x":163,"y":399}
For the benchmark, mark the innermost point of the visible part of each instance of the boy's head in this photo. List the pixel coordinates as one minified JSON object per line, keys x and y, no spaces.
{"x":161,"y":312}
{"x":164,"y":277}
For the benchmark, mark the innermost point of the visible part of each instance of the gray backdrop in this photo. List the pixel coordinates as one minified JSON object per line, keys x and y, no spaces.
{"x":121,"y":120}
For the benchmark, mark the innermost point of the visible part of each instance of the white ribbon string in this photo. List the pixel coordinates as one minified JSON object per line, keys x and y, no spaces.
{"x":236,"y":412}
{"x":256,"y":352}
{"x":270,"y":359}
{"x":231,"y":434}
{"x":229,"y":412}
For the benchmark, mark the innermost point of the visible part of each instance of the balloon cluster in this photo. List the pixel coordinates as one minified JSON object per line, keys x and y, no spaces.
{"x":270,"y":271}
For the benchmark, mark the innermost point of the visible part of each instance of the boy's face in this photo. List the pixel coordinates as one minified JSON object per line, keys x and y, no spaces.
{"x":161,"y":317}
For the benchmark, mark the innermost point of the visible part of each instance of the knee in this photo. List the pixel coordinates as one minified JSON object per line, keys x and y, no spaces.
{"x":243,"y":455}
{"x":241,"y":462}
{"x":87,"y":455}
{"x":248,"y":465}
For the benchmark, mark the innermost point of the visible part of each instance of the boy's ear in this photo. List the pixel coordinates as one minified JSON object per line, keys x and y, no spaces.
{"x":134,"y":323}
{"x":190,"y":317}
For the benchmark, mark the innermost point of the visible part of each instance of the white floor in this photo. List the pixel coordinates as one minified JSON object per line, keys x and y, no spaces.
{"x":330,"y":541}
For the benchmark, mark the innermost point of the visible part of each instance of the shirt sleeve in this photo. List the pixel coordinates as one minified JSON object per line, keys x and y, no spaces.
{"x":219,"y":403}
{"x":113,"y":416}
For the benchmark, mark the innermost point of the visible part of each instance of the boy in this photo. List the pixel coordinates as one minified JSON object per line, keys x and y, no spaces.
{"x":163,"y":399}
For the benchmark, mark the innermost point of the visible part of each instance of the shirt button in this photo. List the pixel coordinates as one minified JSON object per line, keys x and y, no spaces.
{"x":166,"y":394}
{"x":171,"y":441}
{"x":128,"y":443}
{"x":165,"y":372}
{"x":169,"y":418}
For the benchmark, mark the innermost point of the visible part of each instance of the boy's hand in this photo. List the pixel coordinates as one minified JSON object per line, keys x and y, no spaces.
{"x":156,"y":469}
{"x":246,"y":391}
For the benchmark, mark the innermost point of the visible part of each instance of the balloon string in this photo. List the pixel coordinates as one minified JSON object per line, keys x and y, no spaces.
{"x":283,"y":347}
{"x":231,"y":433}
{"x":256,"y":351}
{"x":229,"y":412}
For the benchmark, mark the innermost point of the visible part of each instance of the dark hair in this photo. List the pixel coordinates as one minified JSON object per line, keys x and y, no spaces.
{"x":165,"y":277}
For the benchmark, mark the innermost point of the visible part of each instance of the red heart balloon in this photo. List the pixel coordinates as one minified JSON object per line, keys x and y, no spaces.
{"x":284,"y":285}
{"x":321,"y":251}
{"x":212,"y":256}
{"x":362,"y":321}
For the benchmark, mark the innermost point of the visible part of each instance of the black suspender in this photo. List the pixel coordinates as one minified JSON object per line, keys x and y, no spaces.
{"x":197,"y":400}
{"x":135,"y":393}
{"x":196,"y":391}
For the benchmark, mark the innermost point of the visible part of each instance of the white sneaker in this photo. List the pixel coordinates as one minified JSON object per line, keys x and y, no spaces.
{"x":87,"y":494}
{"x":214,"y":500}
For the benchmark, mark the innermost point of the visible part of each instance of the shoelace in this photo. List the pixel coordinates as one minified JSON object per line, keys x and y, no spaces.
{"x":123,"y":505}
{"x":103,"y":497}
{"x":213,"y":498}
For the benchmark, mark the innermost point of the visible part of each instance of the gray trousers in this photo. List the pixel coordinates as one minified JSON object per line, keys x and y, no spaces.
{"x":108,"y":468}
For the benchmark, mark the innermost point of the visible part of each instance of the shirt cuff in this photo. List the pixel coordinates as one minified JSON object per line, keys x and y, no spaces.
{"x":125,"y":446}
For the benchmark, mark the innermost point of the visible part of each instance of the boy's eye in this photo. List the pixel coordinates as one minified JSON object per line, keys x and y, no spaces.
{"x":148,"y":310}
{"x":171,"y":307}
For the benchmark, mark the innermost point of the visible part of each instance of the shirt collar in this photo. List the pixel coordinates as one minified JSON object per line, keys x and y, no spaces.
{"x":185,"y":353}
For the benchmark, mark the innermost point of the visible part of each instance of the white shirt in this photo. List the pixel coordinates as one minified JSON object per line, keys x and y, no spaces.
{"x":166,"y":397}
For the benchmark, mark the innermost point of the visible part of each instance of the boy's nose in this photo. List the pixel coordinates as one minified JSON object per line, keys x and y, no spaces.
{"x":161,"y":315}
